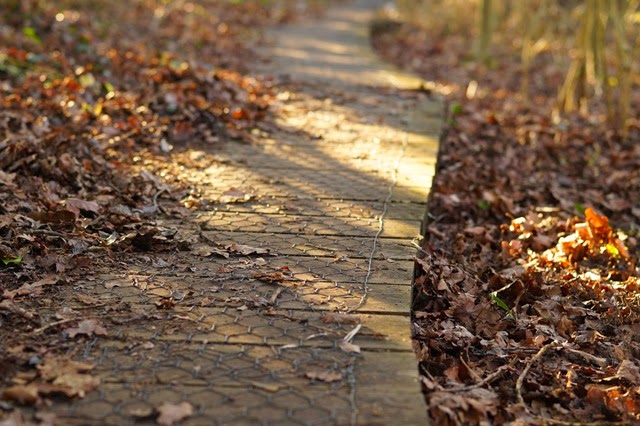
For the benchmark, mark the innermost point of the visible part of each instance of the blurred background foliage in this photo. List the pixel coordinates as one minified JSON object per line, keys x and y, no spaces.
{"x":594,"y":42}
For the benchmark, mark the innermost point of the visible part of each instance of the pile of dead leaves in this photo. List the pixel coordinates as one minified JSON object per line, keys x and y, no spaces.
{"x":527,"y":306}
{"x":98,"y":102}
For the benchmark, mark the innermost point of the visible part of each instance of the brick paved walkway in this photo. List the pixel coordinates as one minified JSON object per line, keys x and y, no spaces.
{"x":336,"y":193}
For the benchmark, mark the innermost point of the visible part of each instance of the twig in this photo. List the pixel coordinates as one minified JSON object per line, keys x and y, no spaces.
{"x":155,"y":198}
{"x":490,"y":378}
{"x":275,"y":295}
{"x":471,"y":372}
{"x":600,"y":362}
{"x":349,"y":337}
{"x":533,"y":359}
{"x":10,"y":306}
{"x":416,"y":245}
{"x":57,"y":234}
{"x":46,"y":232}
{"x":53,"y":324}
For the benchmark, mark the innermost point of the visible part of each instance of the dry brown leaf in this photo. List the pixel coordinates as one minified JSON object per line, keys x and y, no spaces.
{"x":269,"y":387}
{"x":61,"y":216}
{"x":88,"y":327}
{"x":235,"y":195}
{"x":463,"y":407}
{"x":53,"y":367}
{"x":542,"y":242}
{"x":629,"y":371}
{"x":75,"y":384}
{"x":171,"y":413}
{"x":22,"y":394}
{"x":475,"y":231}
{"x":328,"y":376}
{"x":246,"y":250}
{"x":349,"y":347}
{"x":32,"y":288}
{"x":273,"y":278}
{"x":5,"y":220}
{"x":204,"y":250}
{"x":76,"y":206}
{"x":87,"y":299}
{"x":139,"y":411}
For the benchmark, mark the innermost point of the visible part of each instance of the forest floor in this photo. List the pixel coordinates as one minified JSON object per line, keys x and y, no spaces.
{"x":527,"y":302}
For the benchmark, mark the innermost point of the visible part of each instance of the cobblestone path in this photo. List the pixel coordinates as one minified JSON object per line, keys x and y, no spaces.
{"x":334,"y":195}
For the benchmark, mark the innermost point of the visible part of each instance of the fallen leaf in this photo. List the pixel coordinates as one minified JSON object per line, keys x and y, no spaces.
{"x":475,"y":231}
{"x":328,"y":376}
{"x":246,"y":250}
{"x":349,"y":347}
{"x":143,"y":240}
{"x":11,"y":260}
{"x":139,"y":412}
{"x":235,"y":195}
{"x":76,"y":206}
{"x":32,"y":288}
{"x":204,"y":250}
{"x":629,"y":371}
{"x":87,"y":299}
{"x":22,"y":394}
{"x":270,"y":387}
{"x":273,"y":278}
{"x":75,"y":384}
{"x":165,"y":303}
{"x":57,"y":217}
{"x":54,"y":367}
{"x":171,"y":413}
{"x":88,"y":327}
{"x":55,"y":376}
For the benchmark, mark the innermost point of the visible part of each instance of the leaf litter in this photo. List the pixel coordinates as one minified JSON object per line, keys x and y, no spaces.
{"x":526,"y":307}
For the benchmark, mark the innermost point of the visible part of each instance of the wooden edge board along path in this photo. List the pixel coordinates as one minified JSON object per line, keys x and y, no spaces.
{"x":338,"y":191}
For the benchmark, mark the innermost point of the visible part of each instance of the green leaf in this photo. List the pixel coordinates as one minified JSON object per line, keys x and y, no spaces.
{"x":10,"y":261}
{"x":31,"y":33}
{"x":456,"y":109}
{"x":579,"y":208}
{"x":501,"y":304}
{"x":484,"y":205}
